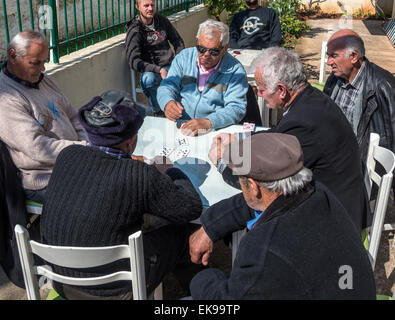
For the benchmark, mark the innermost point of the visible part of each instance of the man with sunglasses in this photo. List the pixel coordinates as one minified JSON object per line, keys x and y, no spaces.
{"x":205,"y":85}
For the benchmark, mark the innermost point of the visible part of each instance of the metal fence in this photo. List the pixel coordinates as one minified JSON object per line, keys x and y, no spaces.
{"x":70,"y":25}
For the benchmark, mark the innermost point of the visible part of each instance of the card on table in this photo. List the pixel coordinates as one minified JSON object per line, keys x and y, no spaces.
{"x":166,"y":151}
{"x":248,"y":126}
{"x":181,"y":152}
{"x":182,"y":141}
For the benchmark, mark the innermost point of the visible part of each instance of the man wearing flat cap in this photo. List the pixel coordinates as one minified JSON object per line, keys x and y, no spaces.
{"x":97,"y":196}
{"x":300,"y":243}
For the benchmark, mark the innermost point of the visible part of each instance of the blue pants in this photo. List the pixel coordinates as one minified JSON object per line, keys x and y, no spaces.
{"x":35,"y":195}
{"x":150,"y":82}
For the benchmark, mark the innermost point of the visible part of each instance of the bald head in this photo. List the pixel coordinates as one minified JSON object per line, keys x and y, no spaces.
{"x":346,"y":52}
{"x":349,"y":40}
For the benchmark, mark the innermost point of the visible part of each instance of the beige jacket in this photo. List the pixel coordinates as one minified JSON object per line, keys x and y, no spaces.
{"x":36,"y":124}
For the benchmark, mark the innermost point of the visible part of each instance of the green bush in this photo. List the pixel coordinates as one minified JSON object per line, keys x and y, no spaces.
{"x":216,"y":7}
{"x":292,"y":28}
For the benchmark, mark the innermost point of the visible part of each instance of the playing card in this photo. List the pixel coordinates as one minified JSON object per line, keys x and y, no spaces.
{"x":248,"y":126}
{"x":166,"y":151}
{"x":181,"y":152}
{"x":182,"y":141}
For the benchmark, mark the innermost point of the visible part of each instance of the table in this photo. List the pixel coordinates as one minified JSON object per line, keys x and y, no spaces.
{"x":157,"y":133}
{"x":246,"y":57}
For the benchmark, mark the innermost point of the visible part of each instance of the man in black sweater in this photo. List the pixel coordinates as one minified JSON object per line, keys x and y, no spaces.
{"x":300,"y":245}
{"x":98,"y":194}
{"x":148,"y":50}
{"x":329,"y":145}
{"x":255,"y":28}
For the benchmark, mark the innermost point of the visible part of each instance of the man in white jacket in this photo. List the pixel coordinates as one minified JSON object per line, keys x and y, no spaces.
{"x":36,"y":119}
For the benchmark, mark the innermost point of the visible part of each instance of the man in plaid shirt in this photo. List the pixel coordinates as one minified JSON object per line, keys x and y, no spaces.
{"x":363,"y":91}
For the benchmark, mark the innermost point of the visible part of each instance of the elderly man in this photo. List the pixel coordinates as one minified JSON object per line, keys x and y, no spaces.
{"x":362,"y":90}
{"x":148,"y":48}
{"x":329,"y":146}
{"x":256,"y":28}
{"x":36,"y":120}
{"x":98,"y":194}
{"x":205,"y":84}
{"x":300,"y":245}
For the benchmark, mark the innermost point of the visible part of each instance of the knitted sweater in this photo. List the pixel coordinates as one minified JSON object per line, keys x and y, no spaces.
{"x":36,"y":124}
{"x":223,"y":99}
{"x":94,"y":199}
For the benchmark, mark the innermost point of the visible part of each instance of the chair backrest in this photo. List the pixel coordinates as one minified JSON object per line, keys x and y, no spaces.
{"x":135,"y":90}
{"x":80,"y":257}
{"x":323,"y":62}
{"x":387,"y":160}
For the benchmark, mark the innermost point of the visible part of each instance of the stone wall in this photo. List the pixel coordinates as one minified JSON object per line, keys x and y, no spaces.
{"x":89,"y":72}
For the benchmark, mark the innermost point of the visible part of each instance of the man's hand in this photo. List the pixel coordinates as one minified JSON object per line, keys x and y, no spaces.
{"x":200,"y":247}
{"x":173,"y":110}
{"x":192,"y":127}
{"x":218,"y":146}
{"x":163,"y":73}
{"x":138,"y":158}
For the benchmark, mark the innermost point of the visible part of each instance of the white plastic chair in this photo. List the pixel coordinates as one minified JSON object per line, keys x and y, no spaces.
{"x":135,"y":90}
{"x":81,"y":257}
{"x":323,"y":62}
{"x":387,"y":159}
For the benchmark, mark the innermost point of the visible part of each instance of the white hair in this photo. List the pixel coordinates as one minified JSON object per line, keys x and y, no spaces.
{"x":21,"y":41}
{"x":210,"y":27}
{"x":280,"y":65}
{"x":354,"y":43}
{"x":288,"y":186}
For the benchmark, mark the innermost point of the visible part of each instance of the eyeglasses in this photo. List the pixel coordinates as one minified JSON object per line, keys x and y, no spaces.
{"x":213,"y":52}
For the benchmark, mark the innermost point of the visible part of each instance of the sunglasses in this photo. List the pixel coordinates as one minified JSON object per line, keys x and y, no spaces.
{"x":213,"y":52}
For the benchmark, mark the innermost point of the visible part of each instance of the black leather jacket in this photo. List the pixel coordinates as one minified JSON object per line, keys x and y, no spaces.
{"x":378,"y":109}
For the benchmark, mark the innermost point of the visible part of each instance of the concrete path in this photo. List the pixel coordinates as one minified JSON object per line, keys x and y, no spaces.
{"x":378,"y":47}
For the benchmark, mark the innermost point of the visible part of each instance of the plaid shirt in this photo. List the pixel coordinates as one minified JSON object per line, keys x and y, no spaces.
{"x":116,"y":153}
{"x":348,"y":92}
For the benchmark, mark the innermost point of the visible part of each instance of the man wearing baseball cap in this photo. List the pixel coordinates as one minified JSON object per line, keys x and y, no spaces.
{"x":300,"y":243}
{"x":97,"y":196}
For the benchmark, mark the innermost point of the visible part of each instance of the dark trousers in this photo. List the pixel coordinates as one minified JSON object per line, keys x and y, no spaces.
{"x":165,"y":250}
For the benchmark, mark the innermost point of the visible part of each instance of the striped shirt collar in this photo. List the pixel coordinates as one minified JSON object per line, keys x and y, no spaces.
{"x":19,"y":80}
{"x":116,"y":153}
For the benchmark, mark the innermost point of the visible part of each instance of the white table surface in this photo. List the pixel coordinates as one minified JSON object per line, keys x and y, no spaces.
{"x":246,"y":57}
{"x":157,"y":133}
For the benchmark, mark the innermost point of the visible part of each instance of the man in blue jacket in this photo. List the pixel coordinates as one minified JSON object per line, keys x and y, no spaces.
{"x":205,"y":84}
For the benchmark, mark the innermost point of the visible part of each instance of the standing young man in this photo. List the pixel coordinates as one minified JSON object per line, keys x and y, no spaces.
{"x":148,"y":48}
{"x":255,"y":28}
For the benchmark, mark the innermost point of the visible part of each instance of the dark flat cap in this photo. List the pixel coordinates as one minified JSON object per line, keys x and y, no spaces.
{"x":109,"y":121}
{"x":265,"y":157}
